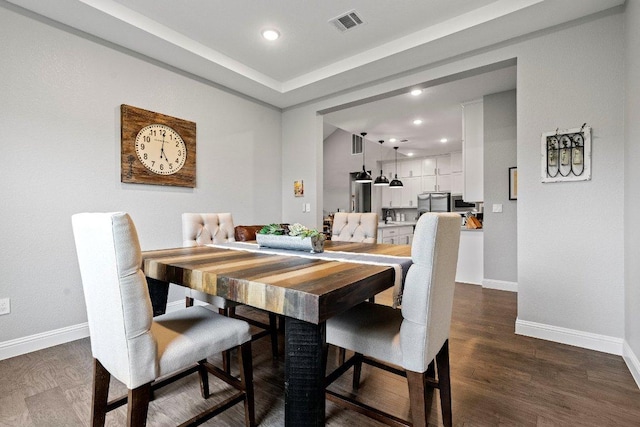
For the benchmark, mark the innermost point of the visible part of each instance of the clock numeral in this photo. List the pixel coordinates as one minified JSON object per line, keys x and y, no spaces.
{"x":177,"y":160}
{"x":179,"y":152}
{"x":177,"y":143}
{"x":153,"y":163}
{"x":142,"y":147}
{"x":145,"y":156}
{"x":170,"y":165}
{"x":161,"y":167}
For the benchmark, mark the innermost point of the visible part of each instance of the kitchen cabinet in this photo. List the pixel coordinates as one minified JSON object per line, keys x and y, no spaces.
{"x":410,"y":168}
{"x":396,"y":235}
{"x":456,"y":162}
{"x":436,"y":173}
{"x":457,"y":183}
{"x":406,"y":196}
{"x":388,"y":169}
{"x":473,"y":151}
{"x":410,"y":191}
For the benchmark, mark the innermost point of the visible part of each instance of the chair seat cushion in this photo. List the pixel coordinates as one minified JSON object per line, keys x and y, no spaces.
{"x":192,"y":334}
{"x":370,"y":329}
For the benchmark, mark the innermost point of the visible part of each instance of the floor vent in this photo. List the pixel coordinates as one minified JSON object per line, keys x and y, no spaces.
{"x":347,"y":21}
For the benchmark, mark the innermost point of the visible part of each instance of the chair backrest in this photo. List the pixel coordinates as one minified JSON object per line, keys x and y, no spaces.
{"x":206,"y":228}
{"x":355,"y":227}
{"x":427,"y":298}
{"x":116,"y":295}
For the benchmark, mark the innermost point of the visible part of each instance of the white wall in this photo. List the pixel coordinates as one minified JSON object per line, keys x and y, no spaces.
{"x":60,"y":140}
{"x":565,"y":77}
{"x":632,"y":187}
{"x":500,"y":229}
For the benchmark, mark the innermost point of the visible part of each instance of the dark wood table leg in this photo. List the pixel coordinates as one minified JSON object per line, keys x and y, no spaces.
{"x":305,"y":365}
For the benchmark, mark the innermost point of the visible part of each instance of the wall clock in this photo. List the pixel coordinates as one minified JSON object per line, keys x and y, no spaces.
{"x":156,"y":148}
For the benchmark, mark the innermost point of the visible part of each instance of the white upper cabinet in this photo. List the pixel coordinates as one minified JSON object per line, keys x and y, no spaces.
{"x":409,"y":168}
{"x":429,"y":166}
{"x":436,"y":172}
{"x":456,"y":162}
{"x":473,"y":151}
{"x":443,"y":164}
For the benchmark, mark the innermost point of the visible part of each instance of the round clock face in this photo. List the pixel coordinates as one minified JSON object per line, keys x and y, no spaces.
{"x":160,"y":149}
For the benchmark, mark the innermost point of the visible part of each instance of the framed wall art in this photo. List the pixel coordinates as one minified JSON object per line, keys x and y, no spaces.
{"x":513,"y":183}
{"x":566,"y":155}
{"x":298,"y":188}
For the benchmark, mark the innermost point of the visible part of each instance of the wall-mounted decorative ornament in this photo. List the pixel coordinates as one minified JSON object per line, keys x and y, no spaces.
{"x":566,"y":155}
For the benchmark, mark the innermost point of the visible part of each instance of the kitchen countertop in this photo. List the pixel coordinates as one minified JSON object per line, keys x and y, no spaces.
{"x":412,"y":223}
{"x":396,"y":224}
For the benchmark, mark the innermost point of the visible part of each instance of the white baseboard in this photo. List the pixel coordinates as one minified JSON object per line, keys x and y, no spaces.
{"x":28,"y":344}
{"x":500,"y":285}
{"x":631,"y":359}
{"x":597,"y":342}
{"x":42,"y":340}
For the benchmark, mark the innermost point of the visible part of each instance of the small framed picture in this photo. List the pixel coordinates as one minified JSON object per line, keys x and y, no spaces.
{"x":298,"y":188}
{"x":513,"y":183}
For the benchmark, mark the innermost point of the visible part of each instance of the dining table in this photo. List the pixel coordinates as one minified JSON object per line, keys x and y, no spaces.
{"x":305,"y":290}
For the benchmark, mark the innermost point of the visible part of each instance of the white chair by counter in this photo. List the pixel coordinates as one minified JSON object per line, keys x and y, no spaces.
{"x":206,"y":228}
{"x":128,"y":343}
{"x":355,"y":227}
{"x":412,"y":337}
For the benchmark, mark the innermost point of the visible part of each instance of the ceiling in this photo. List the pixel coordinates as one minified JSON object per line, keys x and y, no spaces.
{"x":220,"y":41}
{"x":439,"y":108}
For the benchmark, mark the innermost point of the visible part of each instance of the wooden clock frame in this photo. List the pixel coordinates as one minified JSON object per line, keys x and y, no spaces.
{"x":132,"y":120}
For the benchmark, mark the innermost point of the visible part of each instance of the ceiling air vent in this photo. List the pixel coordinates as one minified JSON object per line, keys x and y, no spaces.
{"x":347,"y":21}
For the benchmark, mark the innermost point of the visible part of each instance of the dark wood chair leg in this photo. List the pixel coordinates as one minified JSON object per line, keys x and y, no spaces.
{"x":204,"y":379}
{"x":226,"y":355}
{"x":342,"y":355}
{"x":444,"y":380}
{"x":138,"y":405}
{"x":188,"y":302}
{"x":101,"y":379}
{"x":417,"y":394}
{"x":357,"y":370}
{"x":246,"y":377}
{"x":273,"y":329}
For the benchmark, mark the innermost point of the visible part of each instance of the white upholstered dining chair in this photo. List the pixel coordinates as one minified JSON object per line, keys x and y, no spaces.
{"x":206,"y":228}
{"x":355,"y":227}
{"x":416,"y":335}
{"x":137,"y":349}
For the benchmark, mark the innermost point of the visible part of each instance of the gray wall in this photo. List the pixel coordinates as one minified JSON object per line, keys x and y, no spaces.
{"x":566,"y":76}
{"x":61,"y":148}
{"x":500,"y":229}
{"x":632,"y":186}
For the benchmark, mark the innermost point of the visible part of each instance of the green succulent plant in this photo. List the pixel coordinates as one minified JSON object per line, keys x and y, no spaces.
{"x":293,"y":230}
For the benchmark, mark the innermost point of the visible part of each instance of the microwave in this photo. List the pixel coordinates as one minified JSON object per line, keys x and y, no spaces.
{"x":459,"y":205}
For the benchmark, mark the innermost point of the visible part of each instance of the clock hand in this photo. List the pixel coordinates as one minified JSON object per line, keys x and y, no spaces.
{"x":165,"y":156}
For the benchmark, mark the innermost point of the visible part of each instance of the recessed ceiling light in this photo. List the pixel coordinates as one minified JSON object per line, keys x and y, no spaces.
{"x":417,"y":122}
{"x":443,"y":140}
{"x":416,"y":92}
{"x":392,"y":140}
{"x":409,"y":154}
{"x":270,"y":35}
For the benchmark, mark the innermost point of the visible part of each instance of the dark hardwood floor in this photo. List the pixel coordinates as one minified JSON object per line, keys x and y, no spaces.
{"x":498,"y":379}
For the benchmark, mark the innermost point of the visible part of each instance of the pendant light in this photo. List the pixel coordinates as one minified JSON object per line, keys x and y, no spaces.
{"x":363,"y":177}
{"x":396,"y":183}
{"x":381,"y":180}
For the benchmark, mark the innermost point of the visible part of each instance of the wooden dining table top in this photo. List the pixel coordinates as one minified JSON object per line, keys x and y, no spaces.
{"x":311,"y":290}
